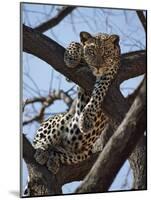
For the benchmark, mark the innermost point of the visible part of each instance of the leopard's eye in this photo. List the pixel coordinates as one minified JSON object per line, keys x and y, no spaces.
{"x":90,"y":51}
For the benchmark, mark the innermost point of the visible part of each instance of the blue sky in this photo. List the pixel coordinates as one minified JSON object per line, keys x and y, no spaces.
{"x":125,"y":23}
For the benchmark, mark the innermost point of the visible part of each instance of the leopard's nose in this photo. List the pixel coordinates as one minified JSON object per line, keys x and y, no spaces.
{"x":97,"y":72}
{"x":100,"y":60}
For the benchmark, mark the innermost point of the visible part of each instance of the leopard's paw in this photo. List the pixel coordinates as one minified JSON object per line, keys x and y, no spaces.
{"x":41,"y":156}
{"x":85,"y":123}
{"x":53,"y":164}
{"x":73,"y":55}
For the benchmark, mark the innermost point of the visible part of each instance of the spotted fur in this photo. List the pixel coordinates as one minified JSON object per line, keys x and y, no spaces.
{"x":74,"y":135}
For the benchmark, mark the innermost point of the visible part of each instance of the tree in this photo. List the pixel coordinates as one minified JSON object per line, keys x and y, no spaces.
{"x":124,"y":137}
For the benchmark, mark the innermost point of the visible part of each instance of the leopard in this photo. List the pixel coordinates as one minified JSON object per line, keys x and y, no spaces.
{"x":69,"y":138}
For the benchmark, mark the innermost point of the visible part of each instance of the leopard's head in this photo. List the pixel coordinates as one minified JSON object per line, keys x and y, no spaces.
{"x":100,"y":52}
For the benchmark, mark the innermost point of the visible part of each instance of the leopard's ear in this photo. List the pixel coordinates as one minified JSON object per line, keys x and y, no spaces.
{"x":84,"y":36}
{"x":115,"y":39}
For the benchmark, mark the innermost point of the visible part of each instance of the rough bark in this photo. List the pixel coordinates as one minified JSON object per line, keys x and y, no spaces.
{"x":138,"y":164}
{"x":138,"y":157}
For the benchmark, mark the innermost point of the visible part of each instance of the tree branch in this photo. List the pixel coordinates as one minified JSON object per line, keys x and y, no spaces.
{"x":50,"y":184}
{"x":142,"y":19}
{"x":138,"y":162}
{"x":114,"y":154}
{"x":39,"y":45}
{"x":41,"y":180}
{"x":55,"y":20}
{"x":133,"y":64}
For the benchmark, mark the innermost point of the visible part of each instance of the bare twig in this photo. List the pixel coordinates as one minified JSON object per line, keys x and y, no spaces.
{"x":34,"y":100}
{"x":55,"y":20}
{"x":46,"y":102}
